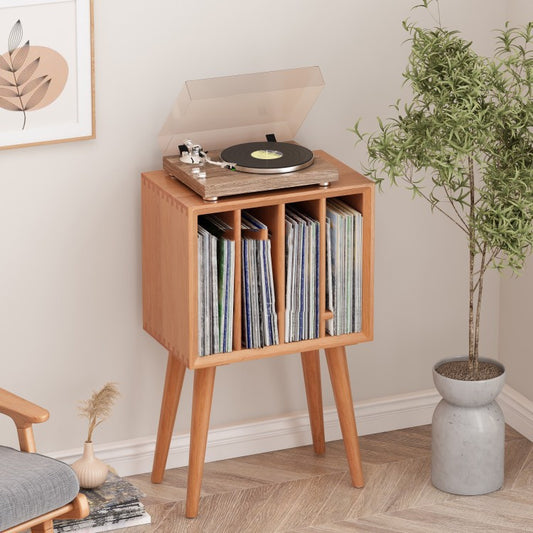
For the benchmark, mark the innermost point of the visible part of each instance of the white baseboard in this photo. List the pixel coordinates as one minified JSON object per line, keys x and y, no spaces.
{"x":135,"y":456}
{"x":518,"y":411}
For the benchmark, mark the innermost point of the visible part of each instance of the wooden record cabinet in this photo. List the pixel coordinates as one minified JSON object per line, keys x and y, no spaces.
{"x":170,"y":308}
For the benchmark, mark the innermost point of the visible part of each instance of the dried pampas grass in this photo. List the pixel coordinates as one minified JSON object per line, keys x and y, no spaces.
{"x":98,"y":407}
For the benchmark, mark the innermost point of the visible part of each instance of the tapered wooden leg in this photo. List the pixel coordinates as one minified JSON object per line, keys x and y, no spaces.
{"x":204,"y":380}
{"x":169,"y":406}
{"x":340,"y":381}
{"x":313,"y":391}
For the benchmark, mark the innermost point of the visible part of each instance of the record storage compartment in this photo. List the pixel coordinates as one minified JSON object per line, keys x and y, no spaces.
{"x":170,"y":214}
{"x":170,"y":268}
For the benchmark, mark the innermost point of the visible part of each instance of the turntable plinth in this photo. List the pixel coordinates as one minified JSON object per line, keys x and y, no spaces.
{"x":220,"y":182}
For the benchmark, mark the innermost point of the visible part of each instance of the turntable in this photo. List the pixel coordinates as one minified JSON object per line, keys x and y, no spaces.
{"x":232,"y":135}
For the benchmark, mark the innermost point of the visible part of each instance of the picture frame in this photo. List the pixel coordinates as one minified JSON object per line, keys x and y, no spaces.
{"x":46,"y":72}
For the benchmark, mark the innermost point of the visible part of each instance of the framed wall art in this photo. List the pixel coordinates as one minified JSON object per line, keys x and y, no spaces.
{"x":46,"y":72}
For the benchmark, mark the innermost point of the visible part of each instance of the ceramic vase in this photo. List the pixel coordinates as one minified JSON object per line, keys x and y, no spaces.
{"x":91,"y":472}
{"x":468,"y":434}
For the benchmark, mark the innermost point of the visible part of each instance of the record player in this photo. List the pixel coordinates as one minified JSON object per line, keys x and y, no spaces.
{"x":233,"y":135}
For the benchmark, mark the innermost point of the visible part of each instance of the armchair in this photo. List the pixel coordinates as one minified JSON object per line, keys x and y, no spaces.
{"x":34,"y":489}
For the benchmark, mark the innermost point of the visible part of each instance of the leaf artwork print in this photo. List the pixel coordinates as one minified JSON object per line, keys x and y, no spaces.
{"x":31,"y":77}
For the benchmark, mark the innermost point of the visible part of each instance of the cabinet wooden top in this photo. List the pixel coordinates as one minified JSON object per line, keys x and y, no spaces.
{"x":349,"y":181}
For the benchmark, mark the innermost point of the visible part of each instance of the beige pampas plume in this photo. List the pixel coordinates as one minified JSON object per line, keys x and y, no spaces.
{"x":98,"y":407}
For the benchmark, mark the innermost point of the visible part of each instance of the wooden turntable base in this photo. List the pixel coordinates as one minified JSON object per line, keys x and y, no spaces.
{"x":224,"y":182}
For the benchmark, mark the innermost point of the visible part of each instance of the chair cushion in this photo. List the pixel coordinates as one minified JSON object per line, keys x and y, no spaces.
{"x":32,"y":485}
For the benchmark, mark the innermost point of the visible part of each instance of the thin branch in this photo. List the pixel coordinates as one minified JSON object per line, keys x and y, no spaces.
{"x":483,"y":268}
{"x":435,"y":206}
{"x":452,"y":203}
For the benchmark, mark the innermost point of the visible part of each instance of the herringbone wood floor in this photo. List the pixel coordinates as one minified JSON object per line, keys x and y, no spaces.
{"x":296,"y":491}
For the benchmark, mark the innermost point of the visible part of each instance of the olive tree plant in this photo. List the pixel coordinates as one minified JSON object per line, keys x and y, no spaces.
{"x":464,"y":143}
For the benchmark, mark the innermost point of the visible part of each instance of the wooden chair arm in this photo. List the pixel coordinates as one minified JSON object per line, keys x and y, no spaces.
{"x":24,"y":414}
{"x":20,"y":410}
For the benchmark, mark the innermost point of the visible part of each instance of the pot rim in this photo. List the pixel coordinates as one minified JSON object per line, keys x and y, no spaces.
{"x":499,"y":364}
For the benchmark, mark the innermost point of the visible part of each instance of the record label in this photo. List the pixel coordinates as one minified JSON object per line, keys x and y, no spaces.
{"x":266,"y":154}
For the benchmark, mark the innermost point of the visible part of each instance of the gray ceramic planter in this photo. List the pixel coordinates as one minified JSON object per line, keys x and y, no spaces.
{"x":468,"y":435}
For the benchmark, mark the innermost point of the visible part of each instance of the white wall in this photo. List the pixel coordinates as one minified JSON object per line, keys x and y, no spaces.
{"x":519,"y":11}
{"x":515,"y":330}
{"x":517,"y":292}
{"x":70,"y":310}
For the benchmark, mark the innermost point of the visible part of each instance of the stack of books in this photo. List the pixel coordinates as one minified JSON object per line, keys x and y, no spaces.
{"x":113,"y":505}
{"x":344,"y":253}
{"x":302,"y":238}
{"x":260,"y":321}
{"x":216,"y":284}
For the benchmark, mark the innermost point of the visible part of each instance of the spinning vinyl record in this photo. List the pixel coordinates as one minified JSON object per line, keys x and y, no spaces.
{"x":267,"y":157}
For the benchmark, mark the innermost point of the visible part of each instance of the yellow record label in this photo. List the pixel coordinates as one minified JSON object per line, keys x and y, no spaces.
{"x":266,"y":154}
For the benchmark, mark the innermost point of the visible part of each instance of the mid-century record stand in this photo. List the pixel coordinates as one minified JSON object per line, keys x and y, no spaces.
{"x":170,"y":213}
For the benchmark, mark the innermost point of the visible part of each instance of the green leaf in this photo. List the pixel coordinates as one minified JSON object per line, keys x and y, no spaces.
{"x":469,"y":116}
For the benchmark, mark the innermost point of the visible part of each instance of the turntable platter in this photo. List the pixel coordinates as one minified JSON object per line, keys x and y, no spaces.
{"x":267,"y":157}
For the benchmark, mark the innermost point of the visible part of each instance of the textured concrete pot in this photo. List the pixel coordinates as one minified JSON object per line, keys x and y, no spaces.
{"x":468,"y":434}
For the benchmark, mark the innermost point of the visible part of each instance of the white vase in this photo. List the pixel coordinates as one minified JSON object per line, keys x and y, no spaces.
{"x":91,"y":472}
{"x":468,"y":435}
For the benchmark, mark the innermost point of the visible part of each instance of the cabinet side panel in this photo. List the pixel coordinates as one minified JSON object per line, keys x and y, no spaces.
{"x":169,"y":307}
{"x":151,"y":248}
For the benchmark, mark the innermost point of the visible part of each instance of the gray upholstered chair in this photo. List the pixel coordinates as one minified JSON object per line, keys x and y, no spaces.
{"x":34,"y":489}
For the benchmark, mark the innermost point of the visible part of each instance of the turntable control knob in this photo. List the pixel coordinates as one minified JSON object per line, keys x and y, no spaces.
{"x":196,"y":170}
{"x":202,"y":174}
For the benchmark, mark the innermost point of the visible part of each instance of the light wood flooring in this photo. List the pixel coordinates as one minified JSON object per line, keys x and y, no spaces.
{"x":296,"y":491}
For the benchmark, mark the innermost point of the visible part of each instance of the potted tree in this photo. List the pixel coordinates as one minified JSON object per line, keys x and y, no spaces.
{"x":464,"y":143}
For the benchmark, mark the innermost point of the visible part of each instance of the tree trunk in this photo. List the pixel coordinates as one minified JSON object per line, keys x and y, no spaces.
{"x":471,"y":325}
{"x":482,"y":269}
{"x":472,"y":356}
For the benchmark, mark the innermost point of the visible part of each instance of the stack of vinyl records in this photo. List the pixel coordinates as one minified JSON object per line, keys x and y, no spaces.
{"x":344,"y":252}
{"x":302,"y":238}
{"x":260,"y":321}
{"x":216,"y":284}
